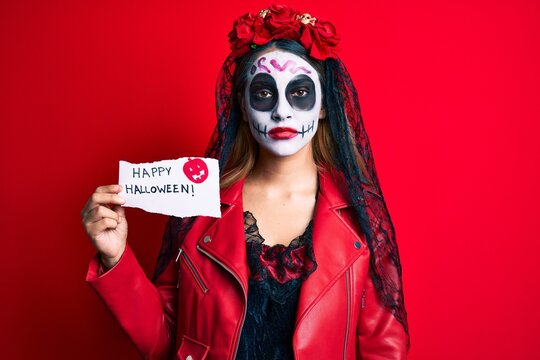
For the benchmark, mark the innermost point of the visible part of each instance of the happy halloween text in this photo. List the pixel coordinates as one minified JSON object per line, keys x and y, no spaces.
{"x":157,"y":189}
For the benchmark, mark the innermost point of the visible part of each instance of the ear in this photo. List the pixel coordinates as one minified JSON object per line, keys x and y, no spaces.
{"x":240,"y":99}
{"x":322,"y":113}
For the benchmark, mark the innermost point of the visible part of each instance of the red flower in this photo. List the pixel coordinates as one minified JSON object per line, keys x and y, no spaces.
{"x":327,"y":32}
{"x":280,"y":16}
{"x":320,"y":40}
{"x":241,"y":35}
{"x":261,"y":33}
{"x":281,"y":22}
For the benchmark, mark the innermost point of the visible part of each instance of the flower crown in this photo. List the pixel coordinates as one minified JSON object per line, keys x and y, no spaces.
{"x":281,"y":22}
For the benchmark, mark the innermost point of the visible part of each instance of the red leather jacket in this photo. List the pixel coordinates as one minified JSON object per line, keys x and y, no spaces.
{"x":196,"y":308}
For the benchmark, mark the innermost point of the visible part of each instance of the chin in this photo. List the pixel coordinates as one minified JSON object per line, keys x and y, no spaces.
{"x":284,"y":150}
{"x":283,"y":153}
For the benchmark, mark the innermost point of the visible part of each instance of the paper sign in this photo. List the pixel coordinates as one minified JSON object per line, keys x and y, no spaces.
{"x":181,"y":187}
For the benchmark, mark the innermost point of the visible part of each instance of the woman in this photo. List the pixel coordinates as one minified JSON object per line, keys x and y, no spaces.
{"x":303,"y":262}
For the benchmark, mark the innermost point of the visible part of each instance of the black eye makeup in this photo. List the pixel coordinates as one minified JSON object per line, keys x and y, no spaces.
{"x":263,"y":93}
{"x":301,"y":93}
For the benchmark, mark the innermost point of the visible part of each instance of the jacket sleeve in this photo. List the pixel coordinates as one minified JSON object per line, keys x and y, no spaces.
{"x":379,"y":335}
{"x":145,"y":310}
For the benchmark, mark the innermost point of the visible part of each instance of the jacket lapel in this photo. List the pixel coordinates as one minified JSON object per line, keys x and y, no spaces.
{"x":336,"y":245}
{"x":224,"y":240}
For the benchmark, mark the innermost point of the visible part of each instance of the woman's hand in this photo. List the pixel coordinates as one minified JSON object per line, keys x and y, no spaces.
{"x":105,"y":223}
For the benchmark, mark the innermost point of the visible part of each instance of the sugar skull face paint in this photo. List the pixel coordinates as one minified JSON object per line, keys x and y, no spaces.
{"x":282,"y":102}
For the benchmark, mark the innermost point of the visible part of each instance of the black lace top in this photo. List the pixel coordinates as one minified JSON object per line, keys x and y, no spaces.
{"x":275,"y":276}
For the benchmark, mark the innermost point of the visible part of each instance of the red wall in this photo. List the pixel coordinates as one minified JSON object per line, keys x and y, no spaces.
{"x":450,"y":97}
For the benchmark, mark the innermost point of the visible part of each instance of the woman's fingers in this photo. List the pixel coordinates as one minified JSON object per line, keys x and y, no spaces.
{"x":121,"y":213}
{"x":115,"y":188}
{"x":100,"y":212}
{"x":104,"y":221}
{"x":106,"y":199}
{"x":101,"y":198}
{"x":101,"y":225}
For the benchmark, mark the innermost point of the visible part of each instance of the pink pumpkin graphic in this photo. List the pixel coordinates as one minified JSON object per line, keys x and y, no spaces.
{"x":196,"y":170}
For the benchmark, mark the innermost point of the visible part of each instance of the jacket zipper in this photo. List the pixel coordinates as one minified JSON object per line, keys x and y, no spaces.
{"x":348,"y":287}
{"x":195,"y":274}
{"x":363,"y":298}
{"x":178,"y":277}
{"x":240,"y":282}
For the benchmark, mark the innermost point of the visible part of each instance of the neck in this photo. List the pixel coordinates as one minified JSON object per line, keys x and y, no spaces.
{"x":294,"y":172}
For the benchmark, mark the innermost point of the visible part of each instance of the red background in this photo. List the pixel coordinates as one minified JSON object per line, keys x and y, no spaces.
{"x":450,"y":94}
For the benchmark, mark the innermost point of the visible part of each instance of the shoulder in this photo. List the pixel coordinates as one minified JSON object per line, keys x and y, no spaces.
{"x":333,"y":187}
{"x":232,"y":194}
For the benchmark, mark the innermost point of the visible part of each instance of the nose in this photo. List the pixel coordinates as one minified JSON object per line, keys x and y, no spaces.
{"x":282,"y":110}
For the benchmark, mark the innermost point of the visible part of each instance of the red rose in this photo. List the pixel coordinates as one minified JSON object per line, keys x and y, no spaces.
{"x":281,"y":11}
{"x":241,"y":36}
{"x":320,"y":40}
{"x":279,"y":16}
{"x":327,"y":32}
{"x":261,"y":34}
{"x":287,"y":32}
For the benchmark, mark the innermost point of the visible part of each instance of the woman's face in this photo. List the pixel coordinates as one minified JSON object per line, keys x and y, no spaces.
{"x":282,"y":102}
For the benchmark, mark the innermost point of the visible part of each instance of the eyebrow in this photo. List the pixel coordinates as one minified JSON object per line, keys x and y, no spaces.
{"x":262,"y":80}
{"x":298,"y":80}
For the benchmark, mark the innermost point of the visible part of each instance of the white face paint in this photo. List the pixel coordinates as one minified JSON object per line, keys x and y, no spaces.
{"x":282,"y":102}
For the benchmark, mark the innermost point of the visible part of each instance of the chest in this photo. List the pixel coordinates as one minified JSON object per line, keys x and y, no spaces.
{"x":280,"y":218}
